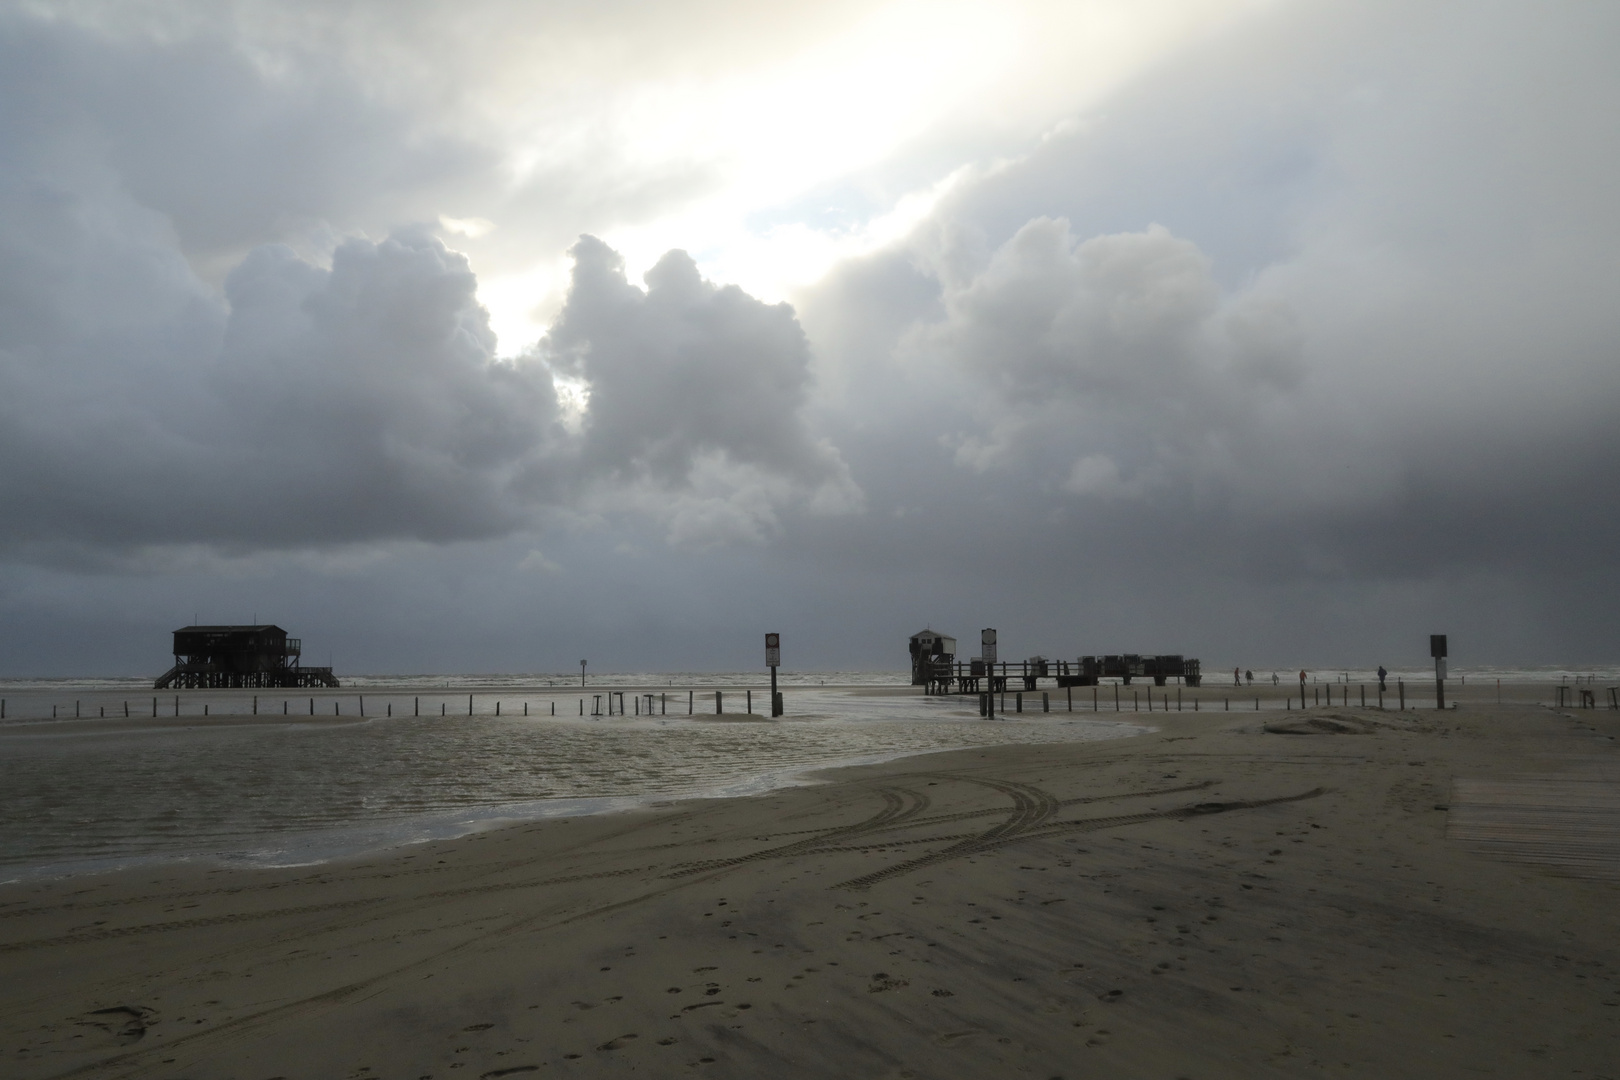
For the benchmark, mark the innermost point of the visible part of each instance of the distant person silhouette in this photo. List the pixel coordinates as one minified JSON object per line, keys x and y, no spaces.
{"x":1382,"y":675}
{"x":1249,"y":674}
{"x":1237,"y":680}
{"x":1274,"y":679}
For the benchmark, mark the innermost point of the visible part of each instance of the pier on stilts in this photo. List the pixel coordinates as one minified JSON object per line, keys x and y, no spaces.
{"x":935,"y":667}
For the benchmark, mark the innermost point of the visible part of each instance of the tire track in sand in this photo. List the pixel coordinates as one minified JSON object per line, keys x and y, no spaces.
{"x":1019,"y":826}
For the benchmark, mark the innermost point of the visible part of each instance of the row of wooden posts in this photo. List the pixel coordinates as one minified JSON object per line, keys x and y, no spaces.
{"x":416,"y":705}
{"x":985,"y":700}
{"x":662,"y":701}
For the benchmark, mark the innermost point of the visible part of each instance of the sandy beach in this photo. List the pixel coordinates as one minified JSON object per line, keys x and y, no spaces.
{"x":1335,"y":891}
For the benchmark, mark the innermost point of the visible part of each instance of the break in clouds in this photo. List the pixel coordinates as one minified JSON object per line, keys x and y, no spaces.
{"x":1319,"y":314}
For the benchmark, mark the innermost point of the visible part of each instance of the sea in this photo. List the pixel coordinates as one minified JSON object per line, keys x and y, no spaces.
{"x":98,"y":774}
{"x":287,"y":778}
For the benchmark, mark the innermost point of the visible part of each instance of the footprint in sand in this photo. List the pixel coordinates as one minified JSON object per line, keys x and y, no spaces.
{"x":617,"y":1044}
{"x":126,"y":1024}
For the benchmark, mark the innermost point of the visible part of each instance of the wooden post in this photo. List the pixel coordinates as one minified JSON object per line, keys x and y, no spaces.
{"x":255,"y":704}
{"x":689,"y":702}
{"x":1400,"y":684}
{"x":719,"y":705}
{"x":363,"y":706}
{"x":497,"y":708}
{"x":750,"y":708}
{"x":390,"y":708}
{"x":1018,"y":700}
{"x":1045,"y":705}
{"x":469,"y":704}
{"x":416,"y":706}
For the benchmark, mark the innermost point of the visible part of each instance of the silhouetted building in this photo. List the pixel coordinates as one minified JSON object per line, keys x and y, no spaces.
{"x":932,"y":656}
{"x":239,"y":657}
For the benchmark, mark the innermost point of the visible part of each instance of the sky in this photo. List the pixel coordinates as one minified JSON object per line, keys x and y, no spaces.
{"x":491,"y":336}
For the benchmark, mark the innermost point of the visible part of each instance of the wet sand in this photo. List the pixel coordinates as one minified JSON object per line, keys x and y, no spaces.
{"x":1349,"y":893}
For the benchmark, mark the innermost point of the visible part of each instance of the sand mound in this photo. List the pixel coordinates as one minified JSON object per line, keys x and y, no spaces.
{"x":1331,"y":724}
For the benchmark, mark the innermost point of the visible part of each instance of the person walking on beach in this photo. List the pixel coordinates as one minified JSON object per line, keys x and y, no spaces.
{"x":1301,"y":686}
{"x":1382,"y":675}
{"x":1237,"y":680}
{"x":1248,"y":673}
{"x":1274,"y":680}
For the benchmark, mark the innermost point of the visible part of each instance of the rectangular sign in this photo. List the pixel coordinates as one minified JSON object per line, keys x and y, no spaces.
{"x":987,"y":645}
{"x":1437,"y":644}
{"x":773,"y":650}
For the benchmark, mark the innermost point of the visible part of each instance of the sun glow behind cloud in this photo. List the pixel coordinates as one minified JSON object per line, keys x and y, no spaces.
{"x":976,"y":78}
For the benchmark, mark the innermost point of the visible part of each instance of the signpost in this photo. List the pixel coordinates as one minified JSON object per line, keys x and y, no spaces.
{"x":987,"y":650}
{"x":582,"y":673}
{"x":1437,"y":649}
{"x":773,"y":660}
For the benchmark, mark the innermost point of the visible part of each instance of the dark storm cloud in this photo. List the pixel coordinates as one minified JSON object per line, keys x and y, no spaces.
{"x":316,"y":406}
{"x":364,"y":402}
{"x":695,"y":390}
{"x":1407,"y":366}
{"x":232,"y":145}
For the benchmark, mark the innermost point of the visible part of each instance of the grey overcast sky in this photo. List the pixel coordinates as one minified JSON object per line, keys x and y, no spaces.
{"x":483,"y":337}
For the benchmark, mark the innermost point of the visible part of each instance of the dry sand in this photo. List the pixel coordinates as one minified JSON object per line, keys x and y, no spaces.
{"x":1377,"y":894}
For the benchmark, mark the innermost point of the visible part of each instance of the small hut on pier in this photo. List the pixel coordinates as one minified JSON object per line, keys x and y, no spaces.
{"x":239,"y":657}
{"x":933,"y":656}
